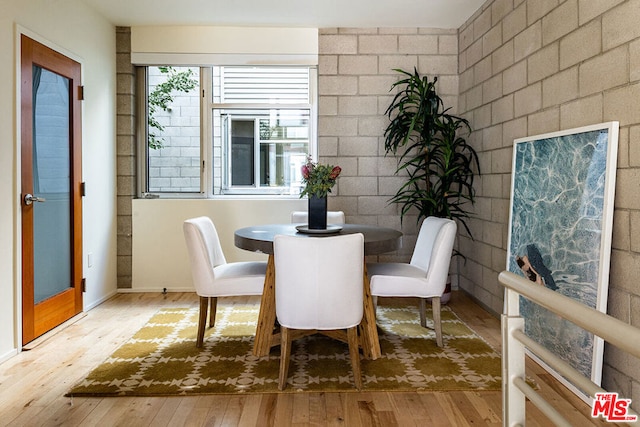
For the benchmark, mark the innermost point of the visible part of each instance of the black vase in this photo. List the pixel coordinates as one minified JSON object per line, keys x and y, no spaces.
{"x":317,"y":213}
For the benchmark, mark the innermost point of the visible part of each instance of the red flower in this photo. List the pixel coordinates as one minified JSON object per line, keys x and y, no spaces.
{"x":335,"y":172}
{"x":305,"y":171}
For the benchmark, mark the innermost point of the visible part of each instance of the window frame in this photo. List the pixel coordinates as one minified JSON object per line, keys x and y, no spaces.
{"x":231,"y":116}
{"x":208,"y":177}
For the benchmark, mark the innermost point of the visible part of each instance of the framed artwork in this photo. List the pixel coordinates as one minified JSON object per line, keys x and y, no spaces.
{"x":560,"y":226}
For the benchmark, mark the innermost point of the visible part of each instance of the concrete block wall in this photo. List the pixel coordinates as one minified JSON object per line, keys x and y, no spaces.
{"x":355,"y":75}
{"x":125,"y":152}
{"x":529,"y":67}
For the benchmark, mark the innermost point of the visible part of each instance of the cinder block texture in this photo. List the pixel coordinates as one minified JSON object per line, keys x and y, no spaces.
{"x":126,"y":153}
{"x":573,"y":63}
{"x":355,"y":80}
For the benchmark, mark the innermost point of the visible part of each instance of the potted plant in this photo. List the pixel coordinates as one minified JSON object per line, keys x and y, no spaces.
{"x":318,"y":180}
{"x":437,"y":160}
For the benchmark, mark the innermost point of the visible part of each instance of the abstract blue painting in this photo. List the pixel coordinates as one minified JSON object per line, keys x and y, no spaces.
{"x":560,"y":232}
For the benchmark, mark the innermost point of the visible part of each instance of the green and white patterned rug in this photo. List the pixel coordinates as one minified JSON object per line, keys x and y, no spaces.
{"x":161,"y":359}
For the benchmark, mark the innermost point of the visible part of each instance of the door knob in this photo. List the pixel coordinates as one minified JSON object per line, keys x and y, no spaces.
{"x":29,"y":199}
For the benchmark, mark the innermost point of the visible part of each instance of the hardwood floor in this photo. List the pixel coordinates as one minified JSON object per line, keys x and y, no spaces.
{"x":33,"y":384}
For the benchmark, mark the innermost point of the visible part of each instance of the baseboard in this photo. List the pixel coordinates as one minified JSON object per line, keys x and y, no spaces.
{"x":101,"y":300}
{"x":148,"y":290}
{"x":8,"y":355}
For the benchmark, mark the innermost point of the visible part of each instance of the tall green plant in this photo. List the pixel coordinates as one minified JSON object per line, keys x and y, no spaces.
{"x":162,"y":96}
{"x":434,"y":154}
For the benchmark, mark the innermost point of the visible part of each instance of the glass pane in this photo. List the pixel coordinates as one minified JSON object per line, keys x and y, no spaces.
{"x":51,"y":181}
{"x":285,"y":126}
{"x":173,"y":129}
{"x":242,"y":152}
{"x":280,"y":165}
{"x":284,"y":144}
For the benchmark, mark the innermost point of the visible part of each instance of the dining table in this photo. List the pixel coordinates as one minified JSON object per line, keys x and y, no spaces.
{"x":259,"y":238}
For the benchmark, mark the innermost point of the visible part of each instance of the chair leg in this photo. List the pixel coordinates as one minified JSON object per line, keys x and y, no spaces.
{"x":423,"y":312}
{"x":285,"y":353}
{"x":354,"y":353}
{"x":213,"y":301}
{"x":202,"y":319}
{"x":437,"y":322}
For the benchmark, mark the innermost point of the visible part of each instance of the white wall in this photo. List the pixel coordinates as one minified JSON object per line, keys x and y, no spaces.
{"x":80,"y":33}
{"x":159,"y":252}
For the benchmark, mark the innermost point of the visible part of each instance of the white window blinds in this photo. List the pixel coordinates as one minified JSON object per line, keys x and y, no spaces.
{"x":265,"y":85}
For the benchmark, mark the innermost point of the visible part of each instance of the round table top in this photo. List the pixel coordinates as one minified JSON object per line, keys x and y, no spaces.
{"x":259,"y":238}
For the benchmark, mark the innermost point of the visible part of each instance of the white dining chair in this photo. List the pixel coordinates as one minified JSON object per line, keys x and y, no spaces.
{"x":212,"y":276}
{"x":425,"y":276}
{"x":318,"y":287}
{"x":302,"y":217}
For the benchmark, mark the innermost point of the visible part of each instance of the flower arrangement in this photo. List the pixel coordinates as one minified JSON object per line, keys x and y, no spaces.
{"x":318,"y":178}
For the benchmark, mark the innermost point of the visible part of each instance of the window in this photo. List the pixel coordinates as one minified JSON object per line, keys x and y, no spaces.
{"x":265,"y":152}
{"x":237,"y":130}
{"x":265,"y":121}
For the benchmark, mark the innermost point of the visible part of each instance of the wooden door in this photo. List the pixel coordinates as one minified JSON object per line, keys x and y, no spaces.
{"x":51,"y":194}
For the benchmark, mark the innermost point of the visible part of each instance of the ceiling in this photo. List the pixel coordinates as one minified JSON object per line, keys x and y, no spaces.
{"x":290,"y":13}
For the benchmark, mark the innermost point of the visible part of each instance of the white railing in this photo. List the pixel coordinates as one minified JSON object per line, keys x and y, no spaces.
{"x":514,"y":342}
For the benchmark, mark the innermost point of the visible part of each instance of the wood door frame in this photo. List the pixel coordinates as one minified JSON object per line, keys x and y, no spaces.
{"x":32,"y":51}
